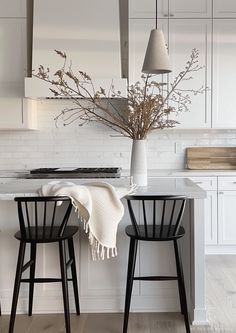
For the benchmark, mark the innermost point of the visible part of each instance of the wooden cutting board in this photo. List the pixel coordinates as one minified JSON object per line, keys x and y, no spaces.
{"x":212,"y":158}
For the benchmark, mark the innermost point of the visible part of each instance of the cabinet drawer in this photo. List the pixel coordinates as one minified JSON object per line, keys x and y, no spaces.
{"x":227,"y":183}
{"x":206,"y":183}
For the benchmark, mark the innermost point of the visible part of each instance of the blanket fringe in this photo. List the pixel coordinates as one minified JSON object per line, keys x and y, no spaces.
{"x":98,"y":250}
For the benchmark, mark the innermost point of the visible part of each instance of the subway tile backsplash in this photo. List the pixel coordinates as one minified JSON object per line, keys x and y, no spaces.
{"x":95,"y":145}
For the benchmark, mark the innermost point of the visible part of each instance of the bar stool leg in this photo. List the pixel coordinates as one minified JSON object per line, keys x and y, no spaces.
{"x":64,"y":285}
{"x":20,"y":263}
{"x":183,"y":298}
{"x":32,"y":276}
{"x":179,"y":285}
{"x":74,"y":274}
{"x":129,"y":283}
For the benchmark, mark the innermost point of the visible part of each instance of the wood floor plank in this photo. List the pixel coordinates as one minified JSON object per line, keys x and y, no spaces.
{"x":221,"y":309}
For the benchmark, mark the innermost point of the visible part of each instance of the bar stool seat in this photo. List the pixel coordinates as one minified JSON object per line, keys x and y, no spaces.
{"x":46,"y":235}
{"x":155,"y":218}
{"x":44,"y":220}
{"x":166,"y":232}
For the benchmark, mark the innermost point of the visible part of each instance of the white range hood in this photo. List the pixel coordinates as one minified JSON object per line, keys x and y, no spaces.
{"x":87,"y":30}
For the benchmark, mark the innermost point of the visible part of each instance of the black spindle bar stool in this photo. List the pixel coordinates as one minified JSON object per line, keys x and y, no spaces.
{"x":160,"y":220}
{"x":44,"y":220}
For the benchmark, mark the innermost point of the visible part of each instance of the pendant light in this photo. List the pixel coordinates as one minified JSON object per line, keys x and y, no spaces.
{"x":156,"y":59}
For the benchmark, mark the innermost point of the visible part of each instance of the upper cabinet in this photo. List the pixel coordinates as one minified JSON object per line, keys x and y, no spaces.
{"x":224,"y":74}
{"x":226,"y":8}
{"x":215,"y":39}
{"x":181,"y":42}
{"x":171,"y":8}
{"x":185,"y":35}
{"x":13,"y":8}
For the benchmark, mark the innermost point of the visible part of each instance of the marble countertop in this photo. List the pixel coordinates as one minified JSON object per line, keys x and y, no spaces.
{"x":14,"y":183}
{"x":151,"y":173}
{"x":172,"y":186}
{"x":158,"y":186}
{"x":190,"y":173}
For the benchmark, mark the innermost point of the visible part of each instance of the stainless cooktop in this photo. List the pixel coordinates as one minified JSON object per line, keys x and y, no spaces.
{"x":73,"y":172}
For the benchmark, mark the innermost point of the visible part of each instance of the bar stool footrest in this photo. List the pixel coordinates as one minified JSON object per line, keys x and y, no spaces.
{"x":155,"y":278}
{"x":44,"y":280}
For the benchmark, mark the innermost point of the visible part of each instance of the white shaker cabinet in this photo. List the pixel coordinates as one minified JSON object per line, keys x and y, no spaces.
{"x":227,"y":225}
{"x":220,"y":227}
{"x":170,"y":8}
{"x":226,"y":8}
{"x":147,"y":9}
{"x":190,"y":8}
{"x":226,"y":210}
{"x":181,"y":43}
{"x":185,"y":35}
{"x":224,"y":74}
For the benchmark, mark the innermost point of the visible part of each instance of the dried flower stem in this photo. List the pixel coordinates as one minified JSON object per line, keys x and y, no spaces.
{"x":148,"y":106}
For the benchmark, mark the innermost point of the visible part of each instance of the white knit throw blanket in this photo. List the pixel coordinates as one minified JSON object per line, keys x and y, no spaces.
{"x":100,"y":209}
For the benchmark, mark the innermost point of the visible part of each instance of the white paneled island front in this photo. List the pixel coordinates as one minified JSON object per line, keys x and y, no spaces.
{"x":102,"y":283}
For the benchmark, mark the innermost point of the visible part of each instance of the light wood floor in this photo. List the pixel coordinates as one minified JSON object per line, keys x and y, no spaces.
{"x":221,"y":304}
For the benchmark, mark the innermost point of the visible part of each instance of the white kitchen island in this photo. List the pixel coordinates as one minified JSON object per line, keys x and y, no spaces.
{"x":102,"y":283}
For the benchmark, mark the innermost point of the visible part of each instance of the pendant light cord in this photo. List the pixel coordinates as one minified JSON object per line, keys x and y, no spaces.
{"x":156,"y":14}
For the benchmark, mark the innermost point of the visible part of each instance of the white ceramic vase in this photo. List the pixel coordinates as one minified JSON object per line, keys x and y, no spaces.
{"x":138,"y":167}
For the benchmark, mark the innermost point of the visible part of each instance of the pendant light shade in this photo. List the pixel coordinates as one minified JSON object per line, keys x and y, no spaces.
{"x":156,"y":59}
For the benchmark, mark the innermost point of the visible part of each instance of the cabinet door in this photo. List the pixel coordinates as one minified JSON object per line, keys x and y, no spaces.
{"x":226,"y":217}
{"x":147,"y":8}
{"x":224,"y":74}
{"x":185,"y":35}
{"x":192,"y":8}
{"x":171,"y":8}
{"x":13,"y":66}
{"x":13,"y":8}
{"x":226,"y":8}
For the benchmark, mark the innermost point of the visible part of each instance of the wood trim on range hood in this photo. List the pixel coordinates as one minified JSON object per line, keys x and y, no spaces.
{"x":87,"y":30}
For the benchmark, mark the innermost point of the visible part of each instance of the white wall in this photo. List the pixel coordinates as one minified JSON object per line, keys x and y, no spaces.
{"x":95,"y":145}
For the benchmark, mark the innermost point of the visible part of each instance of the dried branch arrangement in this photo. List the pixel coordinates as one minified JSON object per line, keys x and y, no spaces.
{"x":148,"y":105}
